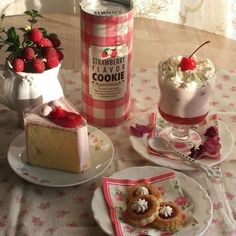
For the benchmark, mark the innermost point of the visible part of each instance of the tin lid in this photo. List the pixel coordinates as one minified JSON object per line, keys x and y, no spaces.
{"x":106,"y":7}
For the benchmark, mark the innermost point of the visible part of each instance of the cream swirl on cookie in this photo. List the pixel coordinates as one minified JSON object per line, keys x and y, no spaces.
{"x":140,"y":206}
{"x":142,"y":191}
{"x":166,"y":211}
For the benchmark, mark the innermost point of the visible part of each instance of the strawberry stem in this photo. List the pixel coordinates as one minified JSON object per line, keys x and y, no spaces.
{"x":199,"y":48}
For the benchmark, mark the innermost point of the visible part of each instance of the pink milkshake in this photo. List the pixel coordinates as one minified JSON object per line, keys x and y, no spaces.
{"x":185,"y":93}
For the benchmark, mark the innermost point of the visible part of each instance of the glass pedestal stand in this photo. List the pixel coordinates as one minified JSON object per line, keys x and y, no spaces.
{"x":181,"y":136}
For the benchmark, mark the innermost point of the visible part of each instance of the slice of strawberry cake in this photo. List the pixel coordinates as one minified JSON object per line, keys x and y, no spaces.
{"x":57,"y":137}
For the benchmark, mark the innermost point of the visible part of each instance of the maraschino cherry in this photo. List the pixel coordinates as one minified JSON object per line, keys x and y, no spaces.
{"x":188,"y":63}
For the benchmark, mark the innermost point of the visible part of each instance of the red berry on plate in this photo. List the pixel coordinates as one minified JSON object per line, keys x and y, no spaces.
{"x":18,"y":64}
{"x":35,"y":35}
{"x":187,"y":63}
{"x":28,"y":53}
{"x":38,"y":65}
{"x":44,"y":42}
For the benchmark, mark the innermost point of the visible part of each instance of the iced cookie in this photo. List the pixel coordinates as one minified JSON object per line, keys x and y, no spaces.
{"x":142,"y":210}
{"x":144,"y":189}
{"x":170,"y":217}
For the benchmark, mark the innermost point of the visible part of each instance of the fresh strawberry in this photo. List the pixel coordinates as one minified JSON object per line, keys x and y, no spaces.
{"x":52,"y":62}
{"x":51,"y":56}
{"x":28,"y":53}
{"x":49,"y":52}
{"x":44,"y":42}
{"x":38,"y":65}
{"x":60,"y":54}
{"x":55,"y":41}
{"x":35,"y":35}
{"x":18,"y":64}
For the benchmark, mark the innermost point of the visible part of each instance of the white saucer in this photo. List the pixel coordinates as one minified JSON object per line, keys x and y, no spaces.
{"x":101,"y":151}
{"x":227,"y":143}
{"x":202,"y":205}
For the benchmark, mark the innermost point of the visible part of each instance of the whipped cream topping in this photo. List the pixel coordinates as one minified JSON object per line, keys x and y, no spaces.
{"x":166,"y":211}
{"x":190,"y":79}
{"x":46,"y":111}
{"x":142,"y":191}
{"x":140,"y":206}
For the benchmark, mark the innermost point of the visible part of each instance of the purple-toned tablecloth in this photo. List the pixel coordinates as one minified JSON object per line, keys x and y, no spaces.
{"x":28,"y":209}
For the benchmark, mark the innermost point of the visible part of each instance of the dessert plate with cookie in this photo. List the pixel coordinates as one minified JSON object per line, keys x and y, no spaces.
{"x":151,"y":200}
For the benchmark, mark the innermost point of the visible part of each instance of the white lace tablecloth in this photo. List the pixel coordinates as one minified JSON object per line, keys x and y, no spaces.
{"x":27,"y":209}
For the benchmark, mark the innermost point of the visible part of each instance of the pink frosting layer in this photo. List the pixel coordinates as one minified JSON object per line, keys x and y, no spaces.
{"x":34,"y":116}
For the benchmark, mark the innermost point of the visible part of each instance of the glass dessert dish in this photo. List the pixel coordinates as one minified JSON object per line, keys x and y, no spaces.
{"x":184,"y":96}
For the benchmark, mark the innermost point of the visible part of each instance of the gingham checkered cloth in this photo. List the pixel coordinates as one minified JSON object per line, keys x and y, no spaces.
{"x":105,"y":31}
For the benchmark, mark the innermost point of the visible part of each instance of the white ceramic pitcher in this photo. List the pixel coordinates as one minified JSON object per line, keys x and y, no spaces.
{"x":24,"y":90}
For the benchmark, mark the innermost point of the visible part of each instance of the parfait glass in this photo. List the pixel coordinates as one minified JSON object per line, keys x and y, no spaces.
{"x":183,"y":106}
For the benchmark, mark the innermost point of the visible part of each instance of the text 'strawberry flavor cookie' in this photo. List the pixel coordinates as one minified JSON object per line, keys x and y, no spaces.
{"x":106,"y":49}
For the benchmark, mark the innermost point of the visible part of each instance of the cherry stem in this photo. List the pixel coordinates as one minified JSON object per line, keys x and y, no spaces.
{"x":199,"y":48}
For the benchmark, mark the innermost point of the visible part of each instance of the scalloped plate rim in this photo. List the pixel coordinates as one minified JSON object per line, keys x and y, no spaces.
{"x":104,"y":221}
{"x":138,"y":143}
{"x":14,"y":157}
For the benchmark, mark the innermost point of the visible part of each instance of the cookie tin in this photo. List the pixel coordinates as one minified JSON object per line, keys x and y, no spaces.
{"x":106,"y":52}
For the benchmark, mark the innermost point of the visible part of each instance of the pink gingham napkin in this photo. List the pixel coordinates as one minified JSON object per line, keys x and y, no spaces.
{"x":115,"y":193}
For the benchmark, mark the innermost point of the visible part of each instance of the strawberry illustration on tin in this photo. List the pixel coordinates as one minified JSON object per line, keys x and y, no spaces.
{"x":109,"y":52}
{"x":105,"y":53}
{"x":113,"y":52}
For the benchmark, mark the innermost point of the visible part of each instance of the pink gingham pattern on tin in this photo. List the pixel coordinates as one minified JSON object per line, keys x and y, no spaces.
{"x":105,"y":31}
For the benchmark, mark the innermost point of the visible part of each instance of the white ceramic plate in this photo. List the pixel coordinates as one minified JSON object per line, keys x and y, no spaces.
{"x":202,"y":205}
{"x":227,"y":143}
{"x":101,"y":151}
